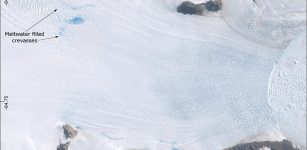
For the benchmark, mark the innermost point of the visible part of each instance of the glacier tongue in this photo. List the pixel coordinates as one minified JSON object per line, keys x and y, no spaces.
{"x":287,"y":90}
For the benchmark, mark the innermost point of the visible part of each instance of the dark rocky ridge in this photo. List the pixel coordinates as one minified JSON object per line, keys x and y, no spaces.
{"x":63,"y":146}
{"x":273,"y":145}
{"x":190,"y":8}
{"x":69,"y":133}
{"x":213,"y":5}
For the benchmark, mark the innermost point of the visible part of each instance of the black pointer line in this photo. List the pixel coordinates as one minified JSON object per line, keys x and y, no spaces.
{"x":41,"y":20}
{"x":48,"y":38}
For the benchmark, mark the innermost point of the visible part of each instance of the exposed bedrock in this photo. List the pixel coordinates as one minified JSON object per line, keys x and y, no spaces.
{"x":69,"y":133}
{"x":63,"y":146}
{"x":213,"y":5}
{"x":190,"y":8}
{"x":264,"y":145}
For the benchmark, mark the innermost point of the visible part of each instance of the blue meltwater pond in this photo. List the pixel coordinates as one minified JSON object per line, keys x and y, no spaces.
{"x":76,"y":20}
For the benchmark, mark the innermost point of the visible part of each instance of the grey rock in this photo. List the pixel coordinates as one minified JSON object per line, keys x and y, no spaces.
{"x":69,"y":131}
{"x":190,"y":8}
{"x":273,"y":145}
{"x":63,"y":146}
{"x":214,"y":5}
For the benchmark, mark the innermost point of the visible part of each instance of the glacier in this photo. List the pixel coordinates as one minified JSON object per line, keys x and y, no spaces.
{"x":137,"y":75}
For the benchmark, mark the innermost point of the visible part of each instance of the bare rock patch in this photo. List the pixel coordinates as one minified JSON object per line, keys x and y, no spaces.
{"x":190,"y":8}
{"x":63,"y":146}
{"x":273,"y":145}
{"x":69,"y":133}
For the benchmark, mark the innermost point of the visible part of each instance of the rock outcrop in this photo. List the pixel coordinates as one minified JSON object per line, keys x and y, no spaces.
{"x":63,"y":146}
{"x":69,"y":133}
{"x":273,"y":145}
{"x":214,"y":5}
{"x":190,"y":8}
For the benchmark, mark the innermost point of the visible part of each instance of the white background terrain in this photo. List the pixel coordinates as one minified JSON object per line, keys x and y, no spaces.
{"x":135,"y":74}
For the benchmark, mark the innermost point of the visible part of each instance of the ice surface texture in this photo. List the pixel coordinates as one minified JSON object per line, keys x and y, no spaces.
{"x":138,"y":75}
{"x":272,"y":23}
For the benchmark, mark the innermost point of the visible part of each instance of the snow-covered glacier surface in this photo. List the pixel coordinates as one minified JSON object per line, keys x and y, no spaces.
{"x":134,"y":74}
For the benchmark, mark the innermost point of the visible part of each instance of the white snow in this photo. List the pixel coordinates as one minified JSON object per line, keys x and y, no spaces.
{"x":137,"y":75}
{"x":265,"y":148}
{"x":265,"y":136}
